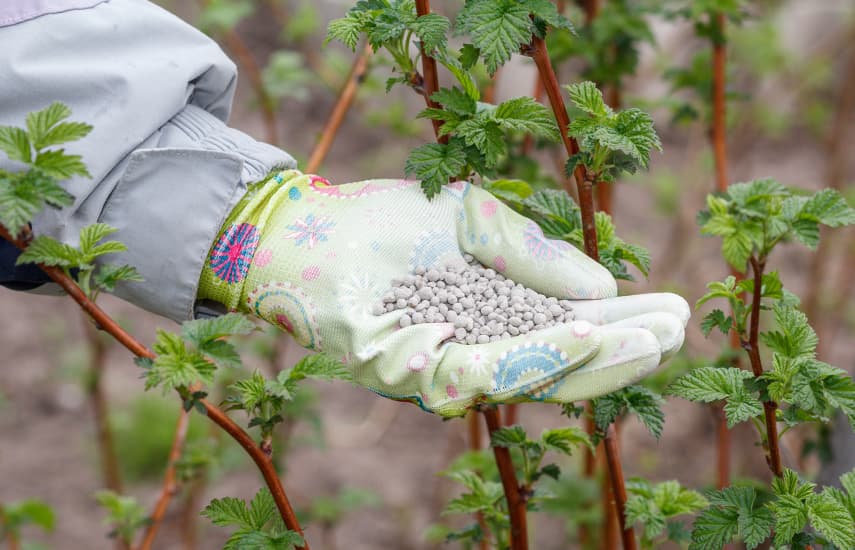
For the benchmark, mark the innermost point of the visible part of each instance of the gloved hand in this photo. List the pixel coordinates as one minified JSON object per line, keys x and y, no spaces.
{"x":314,"y":259}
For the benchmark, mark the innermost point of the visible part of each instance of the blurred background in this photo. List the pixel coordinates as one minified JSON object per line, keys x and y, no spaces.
{"x":362,"y":470}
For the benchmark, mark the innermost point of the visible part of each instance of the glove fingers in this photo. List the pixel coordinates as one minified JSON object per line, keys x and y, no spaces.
{"x":667,"y":327}
{"x":515,"y":246}
{"x":610,"y":310}
{"x":415,"y":364}
{"x":626,"y":355}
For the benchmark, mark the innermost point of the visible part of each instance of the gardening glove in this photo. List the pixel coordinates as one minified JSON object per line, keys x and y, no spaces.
{"x":315,"y":259}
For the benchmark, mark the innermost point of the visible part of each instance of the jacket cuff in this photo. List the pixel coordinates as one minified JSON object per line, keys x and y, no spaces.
{"x":171,"y":202}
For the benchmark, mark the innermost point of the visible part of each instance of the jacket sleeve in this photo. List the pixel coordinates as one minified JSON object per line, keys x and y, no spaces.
{"x":166,"y":169}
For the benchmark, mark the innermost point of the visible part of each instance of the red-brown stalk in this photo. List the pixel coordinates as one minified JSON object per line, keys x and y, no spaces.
{"x":752,"y":346}
{"x":170,"y":484}
{"x":718,"y":135}
{"x":100,"y":408}
{"x":515,"y":494}
{"x":584,"y":185}
{"x":345,"y":100}
{"x":106,"y":323}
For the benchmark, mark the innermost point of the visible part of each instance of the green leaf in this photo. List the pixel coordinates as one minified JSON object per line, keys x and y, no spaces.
{"x":497,"y":28}
{"x":511,"y":436}
{"x":48,"y":251}
{"x":755,"y":527}
{"x":58,"y":164}
{"x":795,"y":337}
{"x":435,"y":164}
{"x":22,"y":196}
{"x":431,"y":29}
{"x":642,"y":402}
{"x":63,"y":133}
{"x":319,"y":366}
{"x":203,"y":331}
{"x":714,"y":528}
{"x":484,"y":134}
{"x":716,"y":319}
{"x":229,"y":511}
{"x":40,"y":123}
{"x":109,"y":275}
{"x":469,"y":55}
{"x":176,"y":366}
{"x":124,"y":514}
{"x":790,"y":517}
{"x":15,"y":143}
{"x":564,"y":440}
{"x":708,"y":384}
{"x":346,"y":29}
{"x":555,"y":212}
{"x":455,"y":100}
{"x":832,"y":519}
{"x":524,"y":114}
{"x":587,"y":97}
{"x":828,"y":207}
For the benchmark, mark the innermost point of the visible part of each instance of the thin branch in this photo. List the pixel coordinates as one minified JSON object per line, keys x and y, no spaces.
{"x":216,"y":415}
{"x":513,"y":491}
{"x":170,"y":485}
{"x":266,"y":103}
{"x":473,"y":423}
{"x":11,"y":538}
{"x":100,"y":408}
{"x":431,"y":79}
{"x":610,"y":443}
{"x":718,"y":130}
{"x":345,"y":100}
{"x":752,"y":346}
{"x":584,"y":184}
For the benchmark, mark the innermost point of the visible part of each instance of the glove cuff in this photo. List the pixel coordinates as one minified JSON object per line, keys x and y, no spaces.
{"x":236,"y":246}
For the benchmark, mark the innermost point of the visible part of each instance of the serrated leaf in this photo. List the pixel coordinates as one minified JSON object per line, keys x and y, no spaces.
{"x":40,"y":123}
{"x":319,"y":366}
{"x":741,"y":407}
{"x":346,"y":29}
{"x":109,"y":275}
{"x":63,"y":133}
{"x":228,"y":511}
{"x":832,"y":519}
{"x":587,"y":97}
{"x":511,"y":436}
{"x":828,"y":207}
{"x":431,"y":30}
{"x":708,"y":384}
{"x":60,"y":165}
{"x":484,"y":134}
{"x":524,"y":114}
{"x":642,"y":402}
{"x":469,"y":55}
{"x":435,"y":164}
{"x":790,"y":517}
{"x":564,"y":440}
{"x":755,"y":527}
{"x":91,"y":234}
{"x":714,"y":528}
{"x":455,"y":100}
{"x":203,"y":331}
{"x":716,"y":319}
{"x":15,"y":143}
{"x":48,"y":251}
{"x":794,"y":338}
{"x":497,"y":28}
{"x":555,"y":212}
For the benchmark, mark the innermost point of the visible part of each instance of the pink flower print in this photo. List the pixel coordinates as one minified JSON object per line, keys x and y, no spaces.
{"x":263,"y":257}
{"x":232,"y":254}
{"x":539,"y":246}
{"x":488,"y":208}
{"x":310,"y":231}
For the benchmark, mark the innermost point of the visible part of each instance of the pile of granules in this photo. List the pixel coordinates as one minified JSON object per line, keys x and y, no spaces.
{"x":484,"y":305}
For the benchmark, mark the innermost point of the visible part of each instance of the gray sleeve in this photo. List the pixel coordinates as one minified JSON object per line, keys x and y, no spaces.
{"x":166,"y":169}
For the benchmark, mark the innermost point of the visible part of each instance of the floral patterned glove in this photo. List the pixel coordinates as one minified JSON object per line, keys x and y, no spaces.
{"x":313,"y":258}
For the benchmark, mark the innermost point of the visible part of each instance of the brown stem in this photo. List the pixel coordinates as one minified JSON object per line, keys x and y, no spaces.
{"x":100,"y":409}
{"x":247,"y":62}
{"x":190,"y":513}
{"x":345,"y":100}
{"x":474,"y":428}
{"x":718,"y":120}
{"x":511,"y":415}
{"x":723,"y":448}
{"x":216,"y":415}
{"x":170,"y":484}
{"x":431,"y":79}
{"x":584,"y":184}
{"x":753,"y":348}
{"x":514,"y":493}
{"x":610,"y":443}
